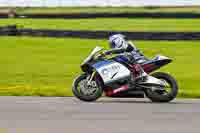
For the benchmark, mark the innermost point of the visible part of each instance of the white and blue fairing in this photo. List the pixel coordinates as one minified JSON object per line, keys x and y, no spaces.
{"x":111,"y":71}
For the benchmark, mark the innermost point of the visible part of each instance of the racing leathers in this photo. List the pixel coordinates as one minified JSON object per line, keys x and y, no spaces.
{"x":130,"y":52}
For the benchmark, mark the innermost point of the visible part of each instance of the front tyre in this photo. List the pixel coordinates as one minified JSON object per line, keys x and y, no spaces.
{"x":169,"y":92}
{"x":86,"y":92}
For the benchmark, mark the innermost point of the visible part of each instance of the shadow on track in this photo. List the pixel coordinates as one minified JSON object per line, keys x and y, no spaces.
{"x":142,"y":101}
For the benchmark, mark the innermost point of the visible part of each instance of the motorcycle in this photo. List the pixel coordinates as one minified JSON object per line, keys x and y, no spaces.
{"x":116,"y":77}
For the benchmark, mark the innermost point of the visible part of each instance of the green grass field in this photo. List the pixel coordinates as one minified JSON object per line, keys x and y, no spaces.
{"x":47,"y":66}
{"x":116,"y":24}
{"x":194,"y":9}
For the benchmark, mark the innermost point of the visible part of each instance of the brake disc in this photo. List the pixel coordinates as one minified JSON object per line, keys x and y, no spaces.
{"x":88,"y":89}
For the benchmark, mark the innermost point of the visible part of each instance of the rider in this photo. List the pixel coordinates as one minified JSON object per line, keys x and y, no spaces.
{"x":120,"y":45}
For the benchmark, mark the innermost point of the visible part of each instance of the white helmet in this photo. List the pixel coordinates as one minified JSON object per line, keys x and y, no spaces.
{"x":118,"y":41}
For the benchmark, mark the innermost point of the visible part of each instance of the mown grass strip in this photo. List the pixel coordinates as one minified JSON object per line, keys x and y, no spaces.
{"x":192,"y":9}
{"x":117,"y":24}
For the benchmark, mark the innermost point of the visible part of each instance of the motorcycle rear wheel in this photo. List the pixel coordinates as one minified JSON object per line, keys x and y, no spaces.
{"x":165,"y":96}
{"x":80,"y":94}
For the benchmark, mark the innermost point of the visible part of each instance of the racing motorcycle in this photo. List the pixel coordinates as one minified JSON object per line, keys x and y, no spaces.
{"x":116,"y":77}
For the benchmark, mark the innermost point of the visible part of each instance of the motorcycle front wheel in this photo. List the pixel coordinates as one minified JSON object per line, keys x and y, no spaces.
{"x":166,"y":94}
{"x":85,"y":92}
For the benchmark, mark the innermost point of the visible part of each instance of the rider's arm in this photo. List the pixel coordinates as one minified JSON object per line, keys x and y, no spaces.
{"x":119,"y":50}
{"x":115,"y":51}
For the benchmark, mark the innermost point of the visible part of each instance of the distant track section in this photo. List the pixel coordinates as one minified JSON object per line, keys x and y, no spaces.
{"x":112,"y":15}
{"x":105,"y":15}
{"x":14,"y":31}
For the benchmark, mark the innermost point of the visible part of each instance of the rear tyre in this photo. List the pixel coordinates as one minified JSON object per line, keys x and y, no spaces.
{"x":79,"y":89}
{"x":165,"y":96}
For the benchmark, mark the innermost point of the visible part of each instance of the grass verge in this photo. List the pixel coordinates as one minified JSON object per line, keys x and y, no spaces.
{"x":47,"y":66}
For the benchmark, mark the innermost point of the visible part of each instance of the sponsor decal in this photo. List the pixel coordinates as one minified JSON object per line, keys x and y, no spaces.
{"x":123,"y":88}
{"x":111,"y":69}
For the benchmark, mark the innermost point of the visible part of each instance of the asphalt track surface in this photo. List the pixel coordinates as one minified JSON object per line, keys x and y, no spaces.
{"x":69,"y":115}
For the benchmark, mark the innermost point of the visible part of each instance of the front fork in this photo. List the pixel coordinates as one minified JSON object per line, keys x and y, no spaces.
{"x":89,"y":78}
